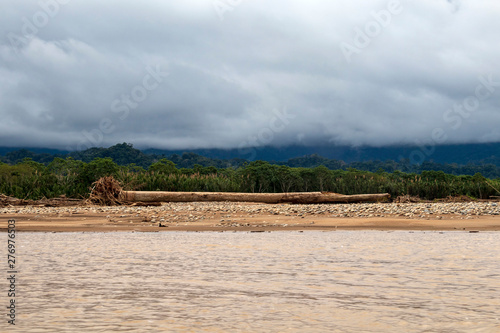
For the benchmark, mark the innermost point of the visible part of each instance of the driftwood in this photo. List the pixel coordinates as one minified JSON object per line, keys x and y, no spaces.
{"x":106,"y":191}
{"x":297,"y":197}
{"x":6,"y":201}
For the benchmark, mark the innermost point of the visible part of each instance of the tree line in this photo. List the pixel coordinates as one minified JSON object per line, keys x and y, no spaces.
{"x":125,"y":154}
{"x":73,"y":178}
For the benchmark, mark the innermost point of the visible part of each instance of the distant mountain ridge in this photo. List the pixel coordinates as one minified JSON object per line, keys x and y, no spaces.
{"x":452,"y":159}
{"x":460,"y":154}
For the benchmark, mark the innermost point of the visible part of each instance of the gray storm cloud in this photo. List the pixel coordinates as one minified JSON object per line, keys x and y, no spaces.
{"x":232,"y":74}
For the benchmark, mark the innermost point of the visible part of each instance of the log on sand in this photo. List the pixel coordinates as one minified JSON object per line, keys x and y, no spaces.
{"x":272,"y":198}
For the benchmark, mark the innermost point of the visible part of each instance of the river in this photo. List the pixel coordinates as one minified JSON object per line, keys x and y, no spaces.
{"x":344,"y":281}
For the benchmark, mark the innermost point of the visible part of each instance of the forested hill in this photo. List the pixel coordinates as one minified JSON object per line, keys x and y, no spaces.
{"x":126,"y":154}
{"x":456,"y":153}
{"x":122,"y":154}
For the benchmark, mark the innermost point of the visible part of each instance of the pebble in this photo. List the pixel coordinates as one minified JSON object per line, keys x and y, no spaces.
{"x":229,"y":211}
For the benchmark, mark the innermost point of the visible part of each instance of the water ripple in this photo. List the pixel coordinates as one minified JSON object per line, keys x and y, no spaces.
{"x":241,"y":282}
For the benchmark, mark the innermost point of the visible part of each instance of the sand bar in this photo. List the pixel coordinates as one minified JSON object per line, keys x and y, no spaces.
{"x":225,"y":216}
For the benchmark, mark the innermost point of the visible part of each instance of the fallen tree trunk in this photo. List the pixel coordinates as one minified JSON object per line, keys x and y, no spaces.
{"x":6,"y":201}
{"x":297,"y":197}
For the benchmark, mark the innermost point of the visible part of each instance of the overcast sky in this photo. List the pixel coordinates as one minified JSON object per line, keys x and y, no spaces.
{"x":235,"y":73}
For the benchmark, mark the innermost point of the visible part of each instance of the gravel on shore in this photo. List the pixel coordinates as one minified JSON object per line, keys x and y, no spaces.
{"x":194,"y":211}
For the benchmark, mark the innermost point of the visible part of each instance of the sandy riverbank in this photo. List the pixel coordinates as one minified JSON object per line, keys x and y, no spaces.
{"x":222,"y":216}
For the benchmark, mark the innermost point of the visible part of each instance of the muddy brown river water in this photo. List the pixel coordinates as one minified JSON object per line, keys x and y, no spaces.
{"x":344,"y":281}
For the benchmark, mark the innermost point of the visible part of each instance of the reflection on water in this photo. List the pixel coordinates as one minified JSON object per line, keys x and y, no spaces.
{"x":251,"y":282}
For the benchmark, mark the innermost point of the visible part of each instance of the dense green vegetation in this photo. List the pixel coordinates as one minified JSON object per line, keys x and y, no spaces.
{"x":125,"y":154}
{"x":29,"y":179}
